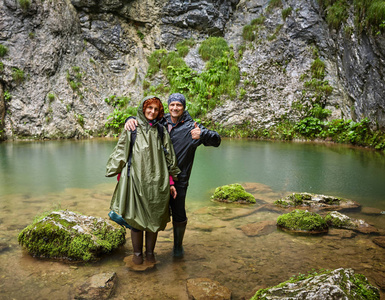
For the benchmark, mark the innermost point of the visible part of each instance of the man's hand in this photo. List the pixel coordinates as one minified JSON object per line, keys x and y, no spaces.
{"x":173,"y":191}
{"x":196,"y":132}
{"x":131,"y":124}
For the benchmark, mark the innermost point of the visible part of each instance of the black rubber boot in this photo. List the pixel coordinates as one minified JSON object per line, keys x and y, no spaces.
{"x":179,"y":228}
{"x":150,"y":246}
{"x":137,"y":245}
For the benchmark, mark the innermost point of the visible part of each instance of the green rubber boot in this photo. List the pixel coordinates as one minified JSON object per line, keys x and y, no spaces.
{"x":179,"y":228}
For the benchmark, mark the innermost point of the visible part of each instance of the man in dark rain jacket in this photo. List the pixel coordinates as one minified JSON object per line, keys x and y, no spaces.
{"x":186,"y":135}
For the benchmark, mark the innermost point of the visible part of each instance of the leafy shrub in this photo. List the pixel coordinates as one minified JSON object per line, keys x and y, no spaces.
{"x":117,"y":119}
{"x":309,"y":127}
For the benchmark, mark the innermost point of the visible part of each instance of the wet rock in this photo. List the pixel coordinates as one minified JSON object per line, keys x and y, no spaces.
{"x":232,"y":193}
{"x":99,"y":286}
{"x":337,"y":284}
{"x":299,"y":221}
{"x":380,"y":241}
{"x":207,"y":289}
{"x":258,"y":229}
{"x":71,"y":236}
{"x":316,"y":202}
{"x":338,"y":220}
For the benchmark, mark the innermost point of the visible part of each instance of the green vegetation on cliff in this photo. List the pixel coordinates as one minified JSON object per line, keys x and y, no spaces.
{"x":368,"y":14}
{"x":204,"y":90}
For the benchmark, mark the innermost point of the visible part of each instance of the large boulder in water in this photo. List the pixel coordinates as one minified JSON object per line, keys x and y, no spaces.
{"x":71,"y":236}
{"x":329,"y":285}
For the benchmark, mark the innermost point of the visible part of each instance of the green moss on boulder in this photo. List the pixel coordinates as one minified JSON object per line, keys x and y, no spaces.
{"x":232,"y":193}
{"x":302,"y":221}
{"x":336,"y":284}
{"x":71,"y":236}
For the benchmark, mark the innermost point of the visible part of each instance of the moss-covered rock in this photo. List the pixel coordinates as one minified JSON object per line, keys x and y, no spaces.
{"x":338,"y":220}
{"x":302,"y":221}
{"x":71,"y":236}
{"x":315,"y":201}
{"x":232,"y":193}
{"x":337,"y":284}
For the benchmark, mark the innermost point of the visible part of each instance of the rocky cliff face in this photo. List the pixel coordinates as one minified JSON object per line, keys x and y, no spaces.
{"x":64,"y":58}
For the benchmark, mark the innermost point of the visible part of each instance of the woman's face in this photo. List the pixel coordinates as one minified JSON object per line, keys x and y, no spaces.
{"x":151,"y":111}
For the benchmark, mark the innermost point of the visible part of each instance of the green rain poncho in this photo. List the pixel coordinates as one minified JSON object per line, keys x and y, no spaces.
{"x":142,"y":198}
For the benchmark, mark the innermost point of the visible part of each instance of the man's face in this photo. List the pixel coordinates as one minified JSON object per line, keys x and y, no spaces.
{"x":176,"y":109}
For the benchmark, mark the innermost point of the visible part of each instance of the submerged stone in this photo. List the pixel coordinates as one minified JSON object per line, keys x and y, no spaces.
{"x":232,"y":193}
{"x":207,"y":289}
{"x":316,"y":202}
{"x":329,"y":285}
{"x":71,"y":236}
{"x":259,"y":228}
{"x":302,"y":222}
{"x":99,"y":286}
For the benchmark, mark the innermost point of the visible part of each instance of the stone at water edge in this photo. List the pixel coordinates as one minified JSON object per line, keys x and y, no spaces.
{"x":66,"y":235}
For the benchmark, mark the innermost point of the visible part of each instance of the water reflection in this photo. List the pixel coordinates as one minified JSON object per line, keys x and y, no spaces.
{"x":36,"y":177}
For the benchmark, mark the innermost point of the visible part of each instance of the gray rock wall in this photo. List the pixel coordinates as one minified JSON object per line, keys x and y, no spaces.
{"x":75,"y":54}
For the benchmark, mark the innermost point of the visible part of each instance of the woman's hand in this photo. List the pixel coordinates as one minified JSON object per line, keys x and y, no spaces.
{"x":173,"y":191}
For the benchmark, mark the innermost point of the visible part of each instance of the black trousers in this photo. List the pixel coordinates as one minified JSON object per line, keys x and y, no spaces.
{"x":177,"y":205}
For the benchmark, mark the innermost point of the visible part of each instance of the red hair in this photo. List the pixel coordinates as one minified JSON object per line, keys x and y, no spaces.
{"x":154,"y":100}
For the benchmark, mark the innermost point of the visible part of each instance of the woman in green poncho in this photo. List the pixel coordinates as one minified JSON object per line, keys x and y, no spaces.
{"x":147,"y":169}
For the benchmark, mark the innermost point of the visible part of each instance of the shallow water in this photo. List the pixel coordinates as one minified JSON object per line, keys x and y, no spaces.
{"x":37,"y":177}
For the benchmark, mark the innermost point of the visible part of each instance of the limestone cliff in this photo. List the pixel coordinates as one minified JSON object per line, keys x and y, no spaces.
{"x":64,"y":58}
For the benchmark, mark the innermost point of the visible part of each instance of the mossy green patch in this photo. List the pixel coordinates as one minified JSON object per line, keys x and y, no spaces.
{"x":300,"y":220}
{"x":67,"y":235}
{"x":233,"y":193}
